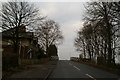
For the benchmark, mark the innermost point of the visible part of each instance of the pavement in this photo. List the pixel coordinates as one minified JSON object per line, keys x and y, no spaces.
{"x":73,"y":70}
{"x":37,"y":72}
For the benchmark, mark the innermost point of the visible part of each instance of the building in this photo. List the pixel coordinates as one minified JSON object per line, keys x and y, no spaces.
{"x":28,"y":43}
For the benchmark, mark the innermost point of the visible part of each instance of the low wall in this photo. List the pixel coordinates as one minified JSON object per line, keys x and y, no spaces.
{"x":33,"y":61}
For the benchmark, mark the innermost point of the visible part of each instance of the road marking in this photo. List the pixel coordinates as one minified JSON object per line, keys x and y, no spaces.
{"x":76,"y":68}
{"x":90,"y":76}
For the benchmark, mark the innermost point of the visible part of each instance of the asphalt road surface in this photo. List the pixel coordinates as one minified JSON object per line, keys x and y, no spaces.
{"x":70,"y":69}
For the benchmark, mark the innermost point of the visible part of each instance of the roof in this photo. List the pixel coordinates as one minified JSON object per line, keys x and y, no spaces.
{"x":22,"y":33}
{"x":12,"y":29}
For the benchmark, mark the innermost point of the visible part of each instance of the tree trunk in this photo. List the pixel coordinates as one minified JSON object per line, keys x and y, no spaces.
{"x":108,"y":35}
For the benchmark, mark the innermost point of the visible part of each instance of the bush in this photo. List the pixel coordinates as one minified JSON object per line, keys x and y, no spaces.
{"x":9,"y":60}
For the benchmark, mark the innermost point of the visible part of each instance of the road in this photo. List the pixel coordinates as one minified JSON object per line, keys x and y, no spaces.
{"x":70,"y":69}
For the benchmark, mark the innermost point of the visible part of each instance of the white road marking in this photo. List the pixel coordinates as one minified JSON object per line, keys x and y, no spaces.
{"x":76,"y":68}
{"x":90,"y":76}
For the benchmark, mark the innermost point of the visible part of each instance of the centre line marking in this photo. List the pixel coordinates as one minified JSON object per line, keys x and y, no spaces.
{"x":90,"y":76}
{"x":76,"y":68}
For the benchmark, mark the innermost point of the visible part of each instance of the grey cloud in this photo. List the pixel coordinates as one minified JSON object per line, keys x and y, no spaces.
{"x":69,"y":16}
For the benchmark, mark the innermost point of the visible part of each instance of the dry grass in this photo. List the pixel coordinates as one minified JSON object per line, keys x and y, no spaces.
{"x":9,"y":72}
{"x":24,"y":66}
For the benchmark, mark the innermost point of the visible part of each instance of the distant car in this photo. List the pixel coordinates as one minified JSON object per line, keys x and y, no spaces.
{"x":54,"y":58}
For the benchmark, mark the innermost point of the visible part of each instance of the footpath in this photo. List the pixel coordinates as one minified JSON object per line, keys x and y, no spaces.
{"x":37,"y":72}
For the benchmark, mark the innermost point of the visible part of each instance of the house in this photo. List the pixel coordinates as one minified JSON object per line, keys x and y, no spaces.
{"x":28,"y":43}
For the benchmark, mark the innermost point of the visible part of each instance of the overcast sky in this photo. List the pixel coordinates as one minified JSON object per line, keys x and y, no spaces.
{"x":69,"y":16}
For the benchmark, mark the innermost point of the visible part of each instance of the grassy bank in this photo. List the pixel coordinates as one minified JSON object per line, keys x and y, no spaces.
{"x":25,"y":65}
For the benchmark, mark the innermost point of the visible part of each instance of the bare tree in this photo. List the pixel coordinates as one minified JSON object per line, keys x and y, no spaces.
{"x":48,"y":33}
{"x":17,"y":14}
{"x":101,"y":30}
{"x":80,"y":43}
